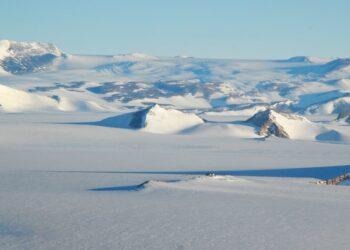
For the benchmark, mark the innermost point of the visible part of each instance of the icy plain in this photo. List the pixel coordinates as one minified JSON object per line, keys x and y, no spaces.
{"x":69,"y":181}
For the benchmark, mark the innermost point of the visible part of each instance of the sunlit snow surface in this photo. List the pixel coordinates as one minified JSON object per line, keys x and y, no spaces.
{"x":88,"y":162}
{"x":71,"y":186}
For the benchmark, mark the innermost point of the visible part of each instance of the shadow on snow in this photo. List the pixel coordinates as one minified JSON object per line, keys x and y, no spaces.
{"x":322,"y":173}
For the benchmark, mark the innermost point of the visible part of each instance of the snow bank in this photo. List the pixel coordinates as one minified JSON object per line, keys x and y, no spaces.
{"x":13,"y":100}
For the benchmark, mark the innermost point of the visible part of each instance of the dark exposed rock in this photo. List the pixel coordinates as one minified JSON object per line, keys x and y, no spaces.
{"x":138,"y":118}
{"x":344,"y":116}
{"x":267,"y":124}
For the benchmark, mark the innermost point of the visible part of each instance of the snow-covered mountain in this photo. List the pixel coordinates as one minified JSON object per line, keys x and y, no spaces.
{"x":154,"y":119}
{"x":27,"y":57}
{"x":41,"y":78}
{"x":270,"y":122}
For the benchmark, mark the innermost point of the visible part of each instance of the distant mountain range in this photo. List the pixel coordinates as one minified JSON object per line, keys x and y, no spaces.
{"x":38,"y":77}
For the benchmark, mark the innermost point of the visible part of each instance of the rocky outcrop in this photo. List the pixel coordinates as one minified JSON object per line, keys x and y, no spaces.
{"x":267,"y":124}
{"x":344,"y":116}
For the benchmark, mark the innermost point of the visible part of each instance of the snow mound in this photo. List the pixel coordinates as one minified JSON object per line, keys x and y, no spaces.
{"x":249,"y":111}
{"x":216,"y":183}
{"x":270,"y":122}
{"x":135,"y":57}
{"x":13,"y":100}
{"x":154,"y":119}
{"x":75,"y":105}
{"x":343,"y":84}
{"x":27,"y":57}
{"x":309,"y":59}
{"x":339,"y":105}
{"x":18,"y":101}
{"x":218,"y":129}
{"x":331,"y":135}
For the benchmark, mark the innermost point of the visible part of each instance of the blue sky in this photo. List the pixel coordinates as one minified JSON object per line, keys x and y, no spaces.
{"x":203,"y":28}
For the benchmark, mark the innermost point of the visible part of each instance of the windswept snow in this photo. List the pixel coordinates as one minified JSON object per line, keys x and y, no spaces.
{"x":78,"y":171}
{"x":12,"y":100}
{"x":68,"y":186}
{"x":16,"y":101}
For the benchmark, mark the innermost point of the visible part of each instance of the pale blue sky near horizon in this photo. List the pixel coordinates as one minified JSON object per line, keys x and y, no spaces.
{"x":244,"y":29}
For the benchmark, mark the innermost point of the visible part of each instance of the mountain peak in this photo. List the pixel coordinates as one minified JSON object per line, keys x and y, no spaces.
{"x":27,"y":57}
{"x":268,"y":123}
{"x":154,"y":119}
{"x":9,"y":47}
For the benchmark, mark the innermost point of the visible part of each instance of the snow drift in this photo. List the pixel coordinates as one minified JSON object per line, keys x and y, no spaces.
{"x":13,"y":100}
{"x":17,"y":101}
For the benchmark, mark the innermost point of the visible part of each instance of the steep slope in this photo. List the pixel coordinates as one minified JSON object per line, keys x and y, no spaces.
{"x":344,"y":116}
{"x":342,"y":65}
{"x":270,"y":122}
{"x":27,"y":57}
{"x":154,"y":119}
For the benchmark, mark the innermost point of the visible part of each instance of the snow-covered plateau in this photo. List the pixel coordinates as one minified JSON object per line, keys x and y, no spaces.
{"x":113,"y":152}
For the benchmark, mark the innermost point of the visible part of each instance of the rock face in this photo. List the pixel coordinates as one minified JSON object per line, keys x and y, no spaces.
{"x":25,"y":57}
{"x":268,"y":124}
{"x":344,"y":116}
